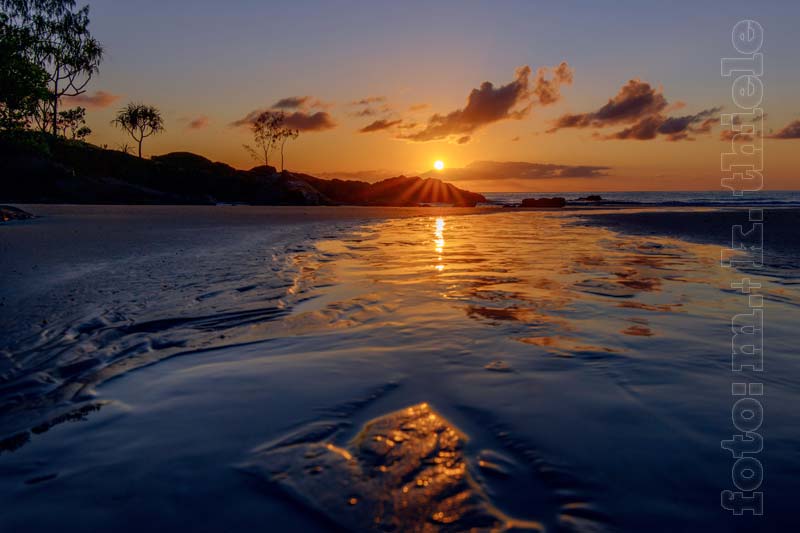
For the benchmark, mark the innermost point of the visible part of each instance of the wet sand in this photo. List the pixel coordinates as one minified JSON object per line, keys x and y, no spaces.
{"x":781,"y":238}
{"x":225,"y":368}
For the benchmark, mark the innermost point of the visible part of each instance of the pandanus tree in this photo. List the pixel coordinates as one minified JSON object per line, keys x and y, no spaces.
{"x":140,"y":121}
{"x":59,"y":42}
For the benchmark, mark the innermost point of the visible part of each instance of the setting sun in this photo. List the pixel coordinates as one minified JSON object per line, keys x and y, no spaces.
{"x":439,"y":165}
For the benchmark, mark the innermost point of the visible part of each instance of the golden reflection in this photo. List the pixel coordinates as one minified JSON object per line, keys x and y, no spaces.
{"x":404,"y":471}
{"x":438,"y":242}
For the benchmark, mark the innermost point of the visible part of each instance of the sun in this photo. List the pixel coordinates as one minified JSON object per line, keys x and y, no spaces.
{"x":439,"y":165}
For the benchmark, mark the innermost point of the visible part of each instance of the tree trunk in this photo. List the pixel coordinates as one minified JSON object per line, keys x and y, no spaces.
{"x":55,"y":109}
{"x":282,"y":167}
{"x":140,"y":148}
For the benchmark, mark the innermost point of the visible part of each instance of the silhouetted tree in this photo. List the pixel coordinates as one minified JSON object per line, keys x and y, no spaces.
{"x":286,"y":134}
{"x":61,"y":45}
{"x":72,"y":123}
{"x":140,"y":121}
{"x":266,"y":129}
{"x":23,"y":84}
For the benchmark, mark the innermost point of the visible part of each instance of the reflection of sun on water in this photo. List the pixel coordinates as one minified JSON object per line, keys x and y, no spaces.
{"x":439,"y":242}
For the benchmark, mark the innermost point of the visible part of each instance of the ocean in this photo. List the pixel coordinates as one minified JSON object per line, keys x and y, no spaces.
{"x":718,"y":198}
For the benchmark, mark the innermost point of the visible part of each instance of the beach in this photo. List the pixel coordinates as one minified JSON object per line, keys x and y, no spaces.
{"x":233,"y":368}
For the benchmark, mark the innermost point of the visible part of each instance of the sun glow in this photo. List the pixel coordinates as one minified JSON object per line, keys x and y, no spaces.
{"x":438,"y":165}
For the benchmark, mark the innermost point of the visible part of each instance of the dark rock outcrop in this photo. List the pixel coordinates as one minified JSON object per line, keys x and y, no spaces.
{"x":590,"y":198}
{"x":544,"y":202}
{"x":399,"y":191}
{"x":8,"y":213}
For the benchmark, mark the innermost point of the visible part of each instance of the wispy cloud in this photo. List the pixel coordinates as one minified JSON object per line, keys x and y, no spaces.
{"x":379,"y":125}
{"x":521,"y":171}
{"x":198,"y":123}
{"x":97,"y":100}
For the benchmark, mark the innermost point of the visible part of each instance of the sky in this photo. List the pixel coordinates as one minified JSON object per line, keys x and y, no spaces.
{"x":510,"y":95}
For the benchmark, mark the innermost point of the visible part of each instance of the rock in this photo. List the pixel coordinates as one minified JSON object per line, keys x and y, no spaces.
{"x":544,"y":202}
{"x":398,"y":191}
{"x":8,"y":212}
{"x":591,"y":198}
{"x":405,"y":471}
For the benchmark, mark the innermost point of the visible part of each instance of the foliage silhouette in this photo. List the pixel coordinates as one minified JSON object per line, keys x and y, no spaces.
{"x":140,"y":121}
{"x":60,"y":44}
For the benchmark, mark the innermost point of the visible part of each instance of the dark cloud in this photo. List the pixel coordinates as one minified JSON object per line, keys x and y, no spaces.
{"x":198,"y":123}
{"x":292,"y":102}
{"x":790,"y":131}
{"x":634,"y":101}
{"x":300,"y":120}
{"x":98,"y":100}
{"x":318,"y":121}
{"x":300,"y":103}
{"x":488,"y":104}
{"x":520,"y":171}
{"x":642,"y":106}
{"x":672,"y":128}
{"x":379,"y":125}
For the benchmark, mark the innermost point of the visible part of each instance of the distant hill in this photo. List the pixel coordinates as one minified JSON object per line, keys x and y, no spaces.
{"x":75,"y":172}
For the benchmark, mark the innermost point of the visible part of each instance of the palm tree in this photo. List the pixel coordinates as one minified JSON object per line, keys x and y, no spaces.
{"x":140,"y":121}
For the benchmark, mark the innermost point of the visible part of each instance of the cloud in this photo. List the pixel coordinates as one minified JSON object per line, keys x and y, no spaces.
{"x":379,"y":125}
{"x":300,"y":120}
{"x":548,"y":90}
{"x":291,"y":102}
{"x":730,"y":135}
{"x":643,"y":107}
{"x":369,"y":100}
{"x":418,"y":107}
{"x":318,"y":121}
{"x":635,"y":100}
{"x":489,"y":104}
{"x":98,"y":100}
{"x":363,"y":175}
{"x":790,"y":131}
{"x":521,"y":171}
{"x":198,"y":123}
{"x":368,"y":107}
{"x":672,"y":128}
